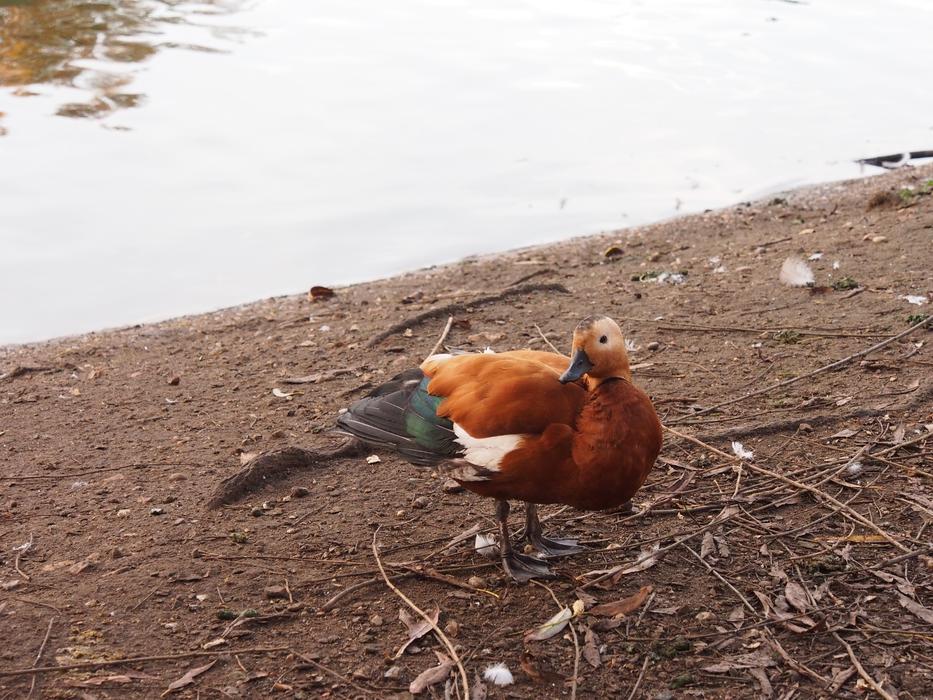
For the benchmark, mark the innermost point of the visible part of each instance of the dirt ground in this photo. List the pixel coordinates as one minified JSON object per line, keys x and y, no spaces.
{"x":804,"y":572}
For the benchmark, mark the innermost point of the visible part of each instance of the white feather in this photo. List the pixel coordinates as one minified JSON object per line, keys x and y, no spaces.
{"x":739,"y":449}
{"x":498,"y":674}
{"x":796,"y":273}
{"x":486,"y":452}
{"x":439,"y":357}
{"x":914,"y":299}
{"x":485,"y":545}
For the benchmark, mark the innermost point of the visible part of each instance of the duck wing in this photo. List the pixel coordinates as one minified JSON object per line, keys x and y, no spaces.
{"x":402,"y":415}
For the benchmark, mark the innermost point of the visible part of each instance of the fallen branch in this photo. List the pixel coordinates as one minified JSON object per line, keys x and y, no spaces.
{"x":90,"y":665}
{"x":273,"y":465}
{"x":22,"y":370}
{"x":460,"y":306}
{"x":437,"y":630}
{"x":861,"y":669}
{"x":781,"y":426}
{"x":824,"y":368}
{"x":821,"y":495}
{"x":45,"y":640}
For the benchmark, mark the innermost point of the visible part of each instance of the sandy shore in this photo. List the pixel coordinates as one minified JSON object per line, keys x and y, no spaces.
{"x":112,"y":443}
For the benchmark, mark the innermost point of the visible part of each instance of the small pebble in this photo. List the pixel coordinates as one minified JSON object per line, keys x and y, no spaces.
{"x":452,"y":628}
{"x":805,"y":428}
{"x":653,"y":345}
{"x":156,"y":511}
{"x":476,"y":582}
{"x":299,"y":492}
{"x":117,"y":553}
{"x":123,"y":513}
{"x":421,"y":502}
{"x":452,"y":486}
{"x":393,"y":673}
{"x":177,"y":476}
{"x":376,"y":621}
{"x":256,"y":511}
{"x":704,"y":616}
{"x":174,"y":381}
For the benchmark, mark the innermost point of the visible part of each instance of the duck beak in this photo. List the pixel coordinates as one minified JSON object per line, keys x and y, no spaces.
{"x":579,"y":365}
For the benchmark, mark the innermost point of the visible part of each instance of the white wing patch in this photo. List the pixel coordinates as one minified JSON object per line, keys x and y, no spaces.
{"x":486,"y":452}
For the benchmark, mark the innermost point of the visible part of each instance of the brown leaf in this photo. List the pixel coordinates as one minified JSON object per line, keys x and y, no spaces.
{"x":756,"y":659}
{"x":536,"y":673}
{"x":737,"y":616}
{"x":709,"y":545}
{"x":759,"y":675}
{"x":188,"y":678}
{"x":591,"y":648}
{"x":844,"y":433}
{"x":923,"y":613}
{"x":624,"y":606}
{"x":319,"y":293}
{"x":417,"y":627}
{"x":433,"y":675}
{"x":797,"y":596}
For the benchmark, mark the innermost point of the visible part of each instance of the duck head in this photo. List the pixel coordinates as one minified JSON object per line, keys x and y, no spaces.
{"x":598,"y":352}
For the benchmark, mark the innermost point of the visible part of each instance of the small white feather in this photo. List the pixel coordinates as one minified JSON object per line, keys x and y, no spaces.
{"x":498,"y":674}
{"x":836,"y":265}
{"x":796,"y":273}
{"x":485,"y":545}
{"x":815,"y":256}
{"x":739,"y":449}
{"x":914,"y":299}
{"x":854,"y":469}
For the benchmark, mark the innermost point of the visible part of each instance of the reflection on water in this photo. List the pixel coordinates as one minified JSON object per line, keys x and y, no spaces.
{"x":91,"y":46}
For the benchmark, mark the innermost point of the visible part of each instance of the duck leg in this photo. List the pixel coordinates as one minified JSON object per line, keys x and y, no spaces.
{"x":548,"y":547}
{"x":520,"y":567}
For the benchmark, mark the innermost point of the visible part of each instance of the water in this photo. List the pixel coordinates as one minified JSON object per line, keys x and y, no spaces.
{"x":168,"y":157}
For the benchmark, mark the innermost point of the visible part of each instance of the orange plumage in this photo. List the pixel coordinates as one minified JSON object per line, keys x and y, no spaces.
{"x":526,"y":425}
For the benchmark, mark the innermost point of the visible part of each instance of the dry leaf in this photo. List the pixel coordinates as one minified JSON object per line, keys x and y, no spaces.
{"x":417,"y":627}
{"x":462,"y":537}
{"x":188,"y":678}
{"x":591,"y":648}
{"x":624,"y":606}
{"x":844,"y":433}
{"x":536,"y":673}
{"x":913,"y":606}
{"x":760,"y":658}
{"x":319,"y":293}
{"x":550,"y":628}
{"x":796,"y":595}
{"x":433,"y":675}
{"x":709,"y":545}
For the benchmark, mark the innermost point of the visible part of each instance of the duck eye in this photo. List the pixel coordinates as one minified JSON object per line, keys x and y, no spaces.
{"x":603,"y":340}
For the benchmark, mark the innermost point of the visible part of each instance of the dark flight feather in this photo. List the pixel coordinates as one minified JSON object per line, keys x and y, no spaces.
{"x":402,"y":415}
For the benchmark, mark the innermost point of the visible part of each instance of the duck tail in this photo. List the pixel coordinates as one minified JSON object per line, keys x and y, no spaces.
{"x":402,"y":415}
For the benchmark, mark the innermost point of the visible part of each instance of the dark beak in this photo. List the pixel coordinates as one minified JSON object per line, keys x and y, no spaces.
{"x":579,"y":365}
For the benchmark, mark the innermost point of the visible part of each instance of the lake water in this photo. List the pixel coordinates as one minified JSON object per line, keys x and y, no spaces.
{"x":167,"y":157}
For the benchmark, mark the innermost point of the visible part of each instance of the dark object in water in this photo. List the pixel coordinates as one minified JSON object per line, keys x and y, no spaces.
{"x":895,"y":160}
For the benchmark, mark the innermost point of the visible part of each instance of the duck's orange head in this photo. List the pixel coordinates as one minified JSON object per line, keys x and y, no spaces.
{"x":598,"y":352}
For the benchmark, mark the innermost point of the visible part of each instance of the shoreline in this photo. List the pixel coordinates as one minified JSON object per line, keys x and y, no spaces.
{"x":797,"y":192}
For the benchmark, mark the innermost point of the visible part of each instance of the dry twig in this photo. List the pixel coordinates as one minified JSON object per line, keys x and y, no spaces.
{"x":460,"y":306}
{"x":861,"y":670}
{"x":437,"y":630}
{"x":824,"y":368}
{"x":440,"y":341}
